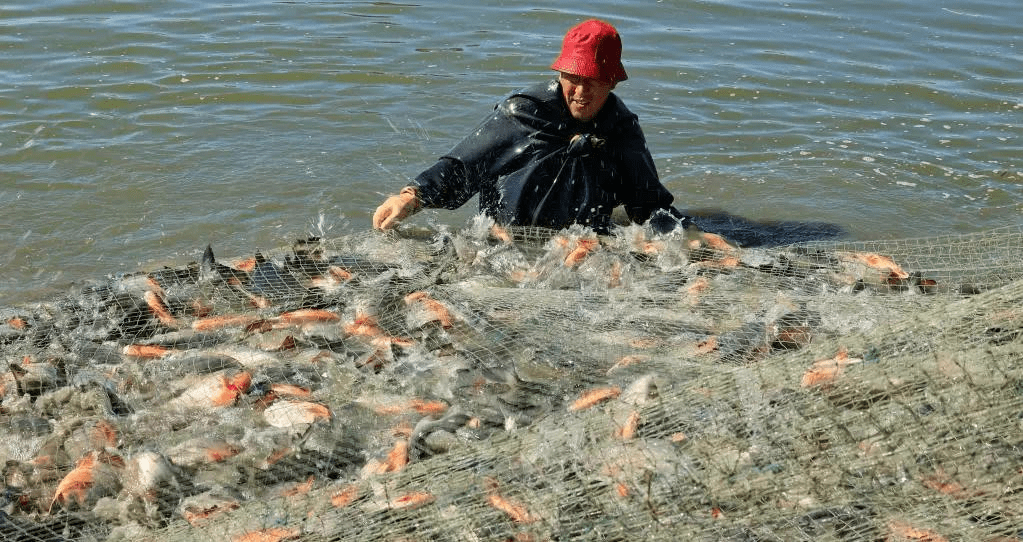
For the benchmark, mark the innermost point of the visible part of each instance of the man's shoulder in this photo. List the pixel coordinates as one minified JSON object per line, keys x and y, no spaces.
{"x":533,"y":100}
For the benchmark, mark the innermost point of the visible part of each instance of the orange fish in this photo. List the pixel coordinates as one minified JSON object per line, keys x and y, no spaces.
{"x":340,"y":273}
{"x":81,"y":478}
{"x":201,"y":451}
{"x":515,"y":510}
{"x":247,"y":265}
{"x":216,"y":390}
{"x":220,"y":451}
{"x":103,"y":435}
{"x":156,"y":304}
{"x":594,"y":396}
{"x":275,"y":534}
{"x":582,"y":249}
{"x":397,"y":458}
{"x":421,"y":406}
{"x":77,"y":482}
{"x":652,"y":247}
{"x":411,"y":500}
{"x":259,"y":301}
{"x":900,"y":531}
{"x":366,"y":326}
{"x":628,"y":430}
{"x":501,"y":234}
{"x":334,"y":277}
{"x":438,"y":312}
{"x":199,"y":309}
{"x":289,"y":390}
{"x":345,"y":496}
{"x":626,"y":361}
{"x":231,"y":388}
{"x":712,"y":241}
{"x":149,"y":351}
{"x":300,"y":488}
{"x":17,"y":323}
{"x":219,"y":322}
{"x":306,"y":316}
{"x":290,"y":413}
{"x":196,"y":515}
{"x":876,"y":261}
{"x":428,"y":408}
{"x":824,"y":371}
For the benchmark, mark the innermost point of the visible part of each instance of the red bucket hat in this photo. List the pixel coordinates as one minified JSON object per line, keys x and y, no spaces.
{"x":592,"y":49}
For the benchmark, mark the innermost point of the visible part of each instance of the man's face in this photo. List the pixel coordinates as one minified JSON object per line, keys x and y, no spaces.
{"x":584,"y":96}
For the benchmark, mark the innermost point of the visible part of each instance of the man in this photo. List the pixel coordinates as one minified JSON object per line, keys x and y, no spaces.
{"x":559,"y":153}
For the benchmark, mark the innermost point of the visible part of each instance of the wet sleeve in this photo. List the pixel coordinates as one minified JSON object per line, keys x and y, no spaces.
{"x":444,"y":185}
{"x":491,"y":149}
{"x":641,"y":191}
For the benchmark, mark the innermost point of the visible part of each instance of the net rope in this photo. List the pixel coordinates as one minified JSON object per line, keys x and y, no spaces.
{"x":522,"y":384}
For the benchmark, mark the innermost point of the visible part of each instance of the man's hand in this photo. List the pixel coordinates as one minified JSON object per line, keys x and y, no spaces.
{"x":396,"y":209}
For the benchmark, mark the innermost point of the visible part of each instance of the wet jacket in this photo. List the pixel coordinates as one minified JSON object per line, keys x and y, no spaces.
{"x":532,"y":164}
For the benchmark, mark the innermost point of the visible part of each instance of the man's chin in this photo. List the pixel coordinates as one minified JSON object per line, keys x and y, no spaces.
{"x":581,"y":113}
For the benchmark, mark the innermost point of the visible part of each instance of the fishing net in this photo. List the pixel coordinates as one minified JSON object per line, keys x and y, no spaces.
{"x":503,"y":384}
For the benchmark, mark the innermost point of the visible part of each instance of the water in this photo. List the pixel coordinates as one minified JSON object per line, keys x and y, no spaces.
{"x":134,"y":133}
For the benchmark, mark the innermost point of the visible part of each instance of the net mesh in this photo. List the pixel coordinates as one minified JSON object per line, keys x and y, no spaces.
{"x":495,"y":384}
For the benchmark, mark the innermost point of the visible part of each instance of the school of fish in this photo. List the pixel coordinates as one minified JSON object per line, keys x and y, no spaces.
{"x":178,"y":398}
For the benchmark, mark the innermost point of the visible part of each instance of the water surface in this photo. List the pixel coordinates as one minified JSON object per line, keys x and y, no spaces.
{"x":134,"y":133}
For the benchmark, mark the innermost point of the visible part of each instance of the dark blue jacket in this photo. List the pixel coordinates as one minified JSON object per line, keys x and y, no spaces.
{"x":530,"y":169}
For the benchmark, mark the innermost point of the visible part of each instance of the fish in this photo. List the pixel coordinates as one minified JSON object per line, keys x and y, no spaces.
{"x":582,"y":248}
{"x":628,"y":430}
{"x":30,"y":377}
{"x":593,"y":397}
{"x":367,"y":327}
{"x":202,"y":450}
{"x":628,"y":360}
{"x":405,"y":501}
{"x":154,"y":300}
{"x":435,"y":310}
{"x":198,"y":509}
{"x":212,"y":323}
{"x":515,"y":510}
{"x":823,"y":372}
{"x":219,"y":389}
{"x":147,"y":351}
{"x":149,"y":476}
{"x":885,"y":264}
{"x":306,"y":316}
{"x":900,"y":531}
{"x":345,"y":496}
{"x":92,"y":470}
{"x":278,"y":285}
{"x":299,"y":488}
{"x":395,"y":461}
{"x":414,"y":404}
{"x":289,"y":413}
{"x":212,"y":271}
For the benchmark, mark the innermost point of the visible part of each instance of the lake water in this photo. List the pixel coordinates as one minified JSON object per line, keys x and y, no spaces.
{"x":133,"y":133}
